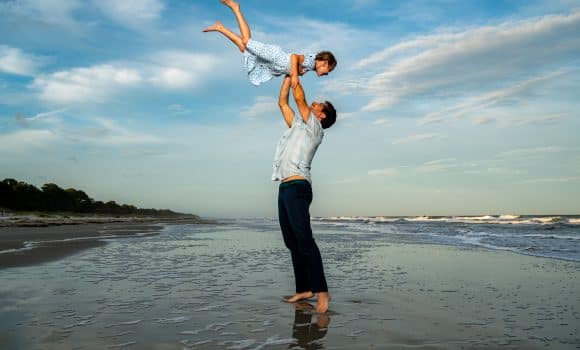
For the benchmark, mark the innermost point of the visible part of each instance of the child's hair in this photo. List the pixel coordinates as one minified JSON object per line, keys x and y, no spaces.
{"x":330,"y":114}
{"x":328,"y":57}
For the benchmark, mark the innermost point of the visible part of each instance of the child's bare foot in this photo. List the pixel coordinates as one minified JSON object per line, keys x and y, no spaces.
{"x":216,"y":27}
{"x":231,"y":4}
{"x":299,"y":296}
{"x":322,"y":305}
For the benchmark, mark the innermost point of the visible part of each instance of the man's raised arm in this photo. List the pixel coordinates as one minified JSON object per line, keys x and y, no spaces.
{"x":300,"y":99}
{"x":287,"y":112}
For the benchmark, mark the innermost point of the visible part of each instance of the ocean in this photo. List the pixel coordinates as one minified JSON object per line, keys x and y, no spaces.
{"x":549,"y":236}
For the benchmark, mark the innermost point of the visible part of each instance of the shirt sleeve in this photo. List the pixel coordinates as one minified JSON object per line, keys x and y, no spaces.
{"x":314,"y":126}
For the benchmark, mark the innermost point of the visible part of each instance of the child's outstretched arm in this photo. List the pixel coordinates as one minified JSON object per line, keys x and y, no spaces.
{"x":285,"y":108}
{"x":296,"y":61}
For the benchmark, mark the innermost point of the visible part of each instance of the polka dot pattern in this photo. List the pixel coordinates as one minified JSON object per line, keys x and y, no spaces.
{"x":264,"y":62}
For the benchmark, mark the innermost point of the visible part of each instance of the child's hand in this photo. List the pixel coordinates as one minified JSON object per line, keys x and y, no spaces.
{"x":294,"y":81}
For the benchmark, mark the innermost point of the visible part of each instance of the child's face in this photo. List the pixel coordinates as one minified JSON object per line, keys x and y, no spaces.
{"x":322,"y":68}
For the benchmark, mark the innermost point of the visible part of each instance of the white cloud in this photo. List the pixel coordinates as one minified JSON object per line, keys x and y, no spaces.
{"x":180,"y":69}
{"x":262,"y":105}
{"x":111,"y":133}
{"x":177,"y":108}
{"x":383,"y":172}
{"x":542,"y":120}
{"x":343,"y":115}
{"x":92,"y":84}
{"x":382,"y":121}
{"x":54,"y":12}
{"x":495,"y":171}
{"x":97,"y":84}
{"x":24,"y":140}
{"x":465,"y":60}
{"x":419,"y":137}
{"x":14,"y":61}
{"x":554,"y":180}
{"x":487,"y":100}
{"x":438,"y":165}
{"x":47,"y":118}
{"x":485,"y":119}
{"x":522,"y":152}
{"x":131,"y":13}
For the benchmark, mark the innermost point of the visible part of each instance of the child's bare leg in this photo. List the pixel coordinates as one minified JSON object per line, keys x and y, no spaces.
{"x":218,"y":27}
{"x":244,"y":28}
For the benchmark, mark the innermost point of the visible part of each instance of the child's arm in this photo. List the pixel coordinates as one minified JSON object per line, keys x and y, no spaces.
{"x":285,"y":108}
{"x":296,"y":61}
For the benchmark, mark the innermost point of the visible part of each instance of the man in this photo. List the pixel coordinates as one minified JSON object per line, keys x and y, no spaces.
{"x":294,"y":154}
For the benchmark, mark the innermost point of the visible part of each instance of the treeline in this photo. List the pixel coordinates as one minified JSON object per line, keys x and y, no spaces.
{"x":21,"y":196}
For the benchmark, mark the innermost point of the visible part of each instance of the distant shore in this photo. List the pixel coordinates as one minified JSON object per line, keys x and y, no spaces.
{"x":28,"y":239}
{"x":41,"y":219}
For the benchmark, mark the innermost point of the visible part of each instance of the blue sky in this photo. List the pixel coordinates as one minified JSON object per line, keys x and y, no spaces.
{"x":445,"y":107}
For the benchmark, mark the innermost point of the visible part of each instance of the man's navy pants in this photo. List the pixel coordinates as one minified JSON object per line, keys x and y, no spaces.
{"x":294,"y":198}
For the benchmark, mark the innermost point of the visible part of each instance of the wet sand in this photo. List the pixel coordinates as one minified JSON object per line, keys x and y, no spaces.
{"x":220,"y":287}
{"x":30,"y":241}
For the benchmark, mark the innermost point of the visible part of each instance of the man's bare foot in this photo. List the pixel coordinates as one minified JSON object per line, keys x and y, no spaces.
{"x":322,"y":305}
{"x":299,"y":296}
{"x":322,"y":321}
{"x":216,"y":27}
{"x":303,"y":306}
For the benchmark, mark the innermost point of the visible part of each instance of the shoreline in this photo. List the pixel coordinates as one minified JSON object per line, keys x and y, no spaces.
{"x":59,"y":219}
{"x":36,"y":240}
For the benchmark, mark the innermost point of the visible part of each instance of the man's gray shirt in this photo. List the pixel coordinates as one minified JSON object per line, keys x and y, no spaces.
{"x":297,"y":147}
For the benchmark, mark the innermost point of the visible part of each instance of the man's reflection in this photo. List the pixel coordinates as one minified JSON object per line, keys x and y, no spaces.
{"x":307,"y":332}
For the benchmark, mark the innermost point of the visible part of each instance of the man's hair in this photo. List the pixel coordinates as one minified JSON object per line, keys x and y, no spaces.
{"x":328,"y":57}
{"x":330,"y":114}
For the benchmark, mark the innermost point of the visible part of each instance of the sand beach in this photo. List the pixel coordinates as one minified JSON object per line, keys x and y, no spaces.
{"x":220,"y":286}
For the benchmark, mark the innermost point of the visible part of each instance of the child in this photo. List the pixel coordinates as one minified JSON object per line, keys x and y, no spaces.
{"x":263,"y":61}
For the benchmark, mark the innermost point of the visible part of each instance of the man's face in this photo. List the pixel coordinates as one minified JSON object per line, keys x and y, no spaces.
{"x":317,"y":109}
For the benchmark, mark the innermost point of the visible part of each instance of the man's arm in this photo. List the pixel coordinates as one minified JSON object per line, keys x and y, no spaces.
{"x":287,"y":112}
{"x":295,"y":63}
{"x":300,"y":99}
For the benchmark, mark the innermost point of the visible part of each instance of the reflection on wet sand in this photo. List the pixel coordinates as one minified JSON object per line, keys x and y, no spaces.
{"x":218,"y":287}
{"x":309,"y":335}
